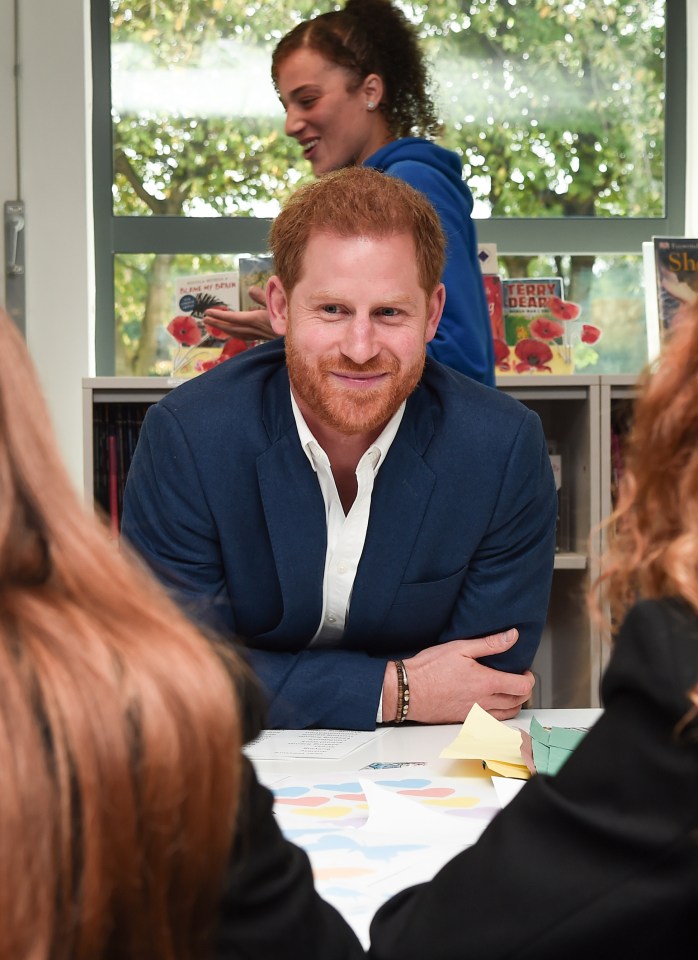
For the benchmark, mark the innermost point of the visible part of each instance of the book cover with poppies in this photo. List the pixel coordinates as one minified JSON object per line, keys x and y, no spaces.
{"x":676,"y":267}
{"x":200,"y":345}
{"x":523,"y":300}
{"x":534,"y":339}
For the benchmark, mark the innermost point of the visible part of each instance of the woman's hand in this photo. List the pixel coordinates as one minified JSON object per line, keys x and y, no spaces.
{"x":243,"y":324}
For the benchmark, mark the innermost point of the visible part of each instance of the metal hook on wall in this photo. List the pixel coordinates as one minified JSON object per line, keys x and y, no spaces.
{"x":15,"y":300}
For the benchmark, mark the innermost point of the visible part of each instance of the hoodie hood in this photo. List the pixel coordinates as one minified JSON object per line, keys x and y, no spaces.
{"x":430,"y":155}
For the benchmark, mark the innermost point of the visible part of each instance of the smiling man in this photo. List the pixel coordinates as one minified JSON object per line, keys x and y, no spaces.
{"x":376,"y":529}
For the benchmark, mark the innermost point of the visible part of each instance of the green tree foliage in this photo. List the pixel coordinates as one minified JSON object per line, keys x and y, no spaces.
{"x":555,"y":107}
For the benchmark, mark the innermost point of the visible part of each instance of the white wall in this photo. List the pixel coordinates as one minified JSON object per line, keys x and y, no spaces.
{"x":54,"y":145}
{"x":8,"y":171}
{"x":56,"y":174}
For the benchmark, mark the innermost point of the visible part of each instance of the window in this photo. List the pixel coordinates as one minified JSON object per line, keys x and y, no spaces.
{"x":561,"y":111}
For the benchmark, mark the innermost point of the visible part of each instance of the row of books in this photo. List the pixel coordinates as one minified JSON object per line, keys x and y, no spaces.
{"x":115,"y":434}
{"x":536,"y":330}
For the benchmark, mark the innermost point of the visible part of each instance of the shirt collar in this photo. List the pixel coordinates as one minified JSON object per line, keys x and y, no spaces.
{"x":377,"y":451}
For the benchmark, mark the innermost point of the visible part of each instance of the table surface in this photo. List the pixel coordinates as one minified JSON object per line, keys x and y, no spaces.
{"x":355,"y":842}
{"x":354,"y":832}
{"x":416,"y":743}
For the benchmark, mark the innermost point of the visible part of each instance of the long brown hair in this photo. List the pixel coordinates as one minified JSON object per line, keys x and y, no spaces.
{"x":653,"y":531}
{"x":372,"y":36}
{"x":119,"y":729}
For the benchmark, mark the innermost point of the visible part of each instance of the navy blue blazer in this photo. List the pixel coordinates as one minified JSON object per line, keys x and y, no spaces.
{"x":225,"y":507}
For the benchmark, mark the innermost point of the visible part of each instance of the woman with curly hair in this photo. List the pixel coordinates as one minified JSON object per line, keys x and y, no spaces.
{"x":131,"y":825}
{"x":355,"y":88}
{"x":603,"y":857}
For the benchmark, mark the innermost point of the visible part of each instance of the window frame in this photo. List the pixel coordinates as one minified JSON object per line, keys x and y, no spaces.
{"x":590,"y":236}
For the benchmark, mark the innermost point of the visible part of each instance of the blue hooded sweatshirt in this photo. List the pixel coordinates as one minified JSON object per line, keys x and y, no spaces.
{"x":464,"y":336}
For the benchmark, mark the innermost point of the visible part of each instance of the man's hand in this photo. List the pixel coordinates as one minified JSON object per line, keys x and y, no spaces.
{"x":244,"y":324}
{"x":446,"y":680}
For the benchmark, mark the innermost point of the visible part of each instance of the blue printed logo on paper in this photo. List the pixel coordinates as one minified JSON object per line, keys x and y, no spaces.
{"x":187,"y":303}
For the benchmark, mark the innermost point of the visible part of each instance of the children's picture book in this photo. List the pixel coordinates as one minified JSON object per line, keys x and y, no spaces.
{"x":676,"y":273}
{"x":200,"y":345}
{"x":524,"y":300}
{"x":534,"y":335}
{"x":194,"y":295}
{"x":254,"y":272}
{"x":543,"y":332}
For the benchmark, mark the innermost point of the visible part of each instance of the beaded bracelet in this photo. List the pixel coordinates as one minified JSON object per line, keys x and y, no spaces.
{"x":403,"y":692}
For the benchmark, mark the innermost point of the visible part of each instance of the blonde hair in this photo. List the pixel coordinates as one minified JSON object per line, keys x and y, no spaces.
{"x":653,"y":531}
{"x":119,"y":729}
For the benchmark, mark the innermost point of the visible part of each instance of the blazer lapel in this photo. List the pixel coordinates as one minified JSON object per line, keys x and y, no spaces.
{"x":295,"y":517}
{"x":400,"y":498}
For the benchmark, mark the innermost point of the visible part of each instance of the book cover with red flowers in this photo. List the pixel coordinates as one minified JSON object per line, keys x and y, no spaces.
{"x":201,"y":346}
{"x":534,"y":337}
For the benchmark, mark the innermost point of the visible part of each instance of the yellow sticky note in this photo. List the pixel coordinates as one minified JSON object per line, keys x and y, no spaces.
{"x":483,"y":738}
{"x":519,"y":771}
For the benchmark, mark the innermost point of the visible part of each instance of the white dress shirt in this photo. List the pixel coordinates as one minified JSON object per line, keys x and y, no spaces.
{"x":346,"y":533}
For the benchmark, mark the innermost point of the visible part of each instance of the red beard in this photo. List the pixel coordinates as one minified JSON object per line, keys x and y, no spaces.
{"x":345,"y":409}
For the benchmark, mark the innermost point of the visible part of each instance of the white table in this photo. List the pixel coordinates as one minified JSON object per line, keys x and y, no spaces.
{"x":371,"y":832}
{"x":416,"y":743}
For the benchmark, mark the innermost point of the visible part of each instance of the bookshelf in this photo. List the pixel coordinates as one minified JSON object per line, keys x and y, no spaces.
{"x":577,"y":414}
{"x":114,"y":407}
{"x":569,"y":407}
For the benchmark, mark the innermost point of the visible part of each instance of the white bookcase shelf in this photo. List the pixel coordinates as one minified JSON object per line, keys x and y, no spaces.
{"x":566,"y":663}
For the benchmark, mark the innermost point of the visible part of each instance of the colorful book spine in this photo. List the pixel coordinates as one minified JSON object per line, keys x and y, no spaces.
{"x":113,"y":485}
{"x":493,"y":292}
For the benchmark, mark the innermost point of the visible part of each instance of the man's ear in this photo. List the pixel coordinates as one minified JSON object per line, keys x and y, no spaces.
{"x":277,"y":305}
{"x":435,"y":307}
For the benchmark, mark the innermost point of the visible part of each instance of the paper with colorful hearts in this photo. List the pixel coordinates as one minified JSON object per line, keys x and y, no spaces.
{"x":371,"y":833}
{"x":340,"y":801}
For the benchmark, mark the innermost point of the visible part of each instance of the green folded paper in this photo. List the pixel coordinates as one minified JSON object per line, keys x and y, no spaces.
{"x":553,"y":745}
